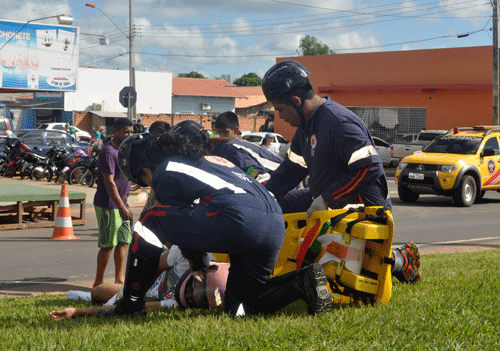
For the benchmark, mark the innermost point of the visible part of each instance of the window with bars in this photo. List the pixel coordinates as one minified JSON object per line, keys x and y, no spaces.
{"x":392,"y":123}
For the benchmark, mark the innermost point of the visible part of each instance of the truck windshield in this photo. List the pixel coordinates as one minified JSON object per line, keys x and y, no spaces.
{"x":3,"y":111}
{"x":450,"y":144}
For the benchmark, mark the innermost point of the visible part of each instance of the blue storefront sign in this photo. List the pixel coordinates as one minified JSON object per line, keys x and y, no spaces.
{"x":38,"y":56}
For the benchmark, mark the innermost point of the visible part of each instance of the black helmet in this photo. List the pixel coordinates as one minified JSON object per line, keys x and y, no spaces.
{"x":283,"y":77}
{"x":192,"y":130}
{"x":135,"y":142}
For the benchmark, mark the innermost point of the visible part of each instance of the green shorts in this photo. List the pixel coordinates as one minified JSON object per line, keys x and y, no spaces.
{"x":112,"y":229}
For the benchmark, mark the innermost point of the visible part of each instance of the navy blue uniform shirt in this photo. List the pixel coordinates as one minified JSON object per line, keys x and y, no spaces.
{"x":336,"y":150}
{"x":245,"y":155}
{"x":179,"y":181}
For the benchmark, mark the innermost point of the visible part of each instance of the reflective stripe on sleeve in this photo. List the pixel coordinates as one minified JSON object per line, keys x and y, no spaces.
{"x":147,"y":234}
{"x":364,"y":152}
{"x":202,"y":176}
{"x":296,"y":158}
{"x":263,"y":161}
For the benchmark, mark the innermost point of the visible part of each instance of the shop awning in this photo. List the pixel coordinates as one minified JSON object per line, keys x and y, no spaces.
{"x":108,"y":114}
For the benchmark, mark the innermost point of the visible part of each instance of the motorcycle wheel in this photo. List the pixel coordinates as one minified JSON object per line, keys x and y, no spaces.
{"x":94,"y":179}
{"x":41,"y":173}
{"x":80,"y":175}
{"x":61,"y":178}
{"x":26,"y":169}
{"x":10,"y":171}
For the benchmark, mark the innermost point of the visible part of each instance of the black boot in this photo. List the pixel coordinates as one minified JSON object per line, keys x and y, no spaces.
{"x":139,"y":277}
{"x":308,"y":284}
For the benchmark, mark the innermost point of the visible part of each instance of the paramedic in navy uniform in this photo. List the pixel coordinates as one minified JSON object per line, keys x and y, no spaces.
{"x":335,"y":148}
{"x":331,"y":144}
{"x":254,"y":160}
{"x":209,"y":205}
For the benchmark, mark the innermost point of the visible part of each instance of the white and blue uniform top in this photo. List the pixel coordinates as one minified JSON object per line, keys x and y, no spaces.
{"x":246,"y":155}
{"x":179,"y":181}
{"x":336,"y":150}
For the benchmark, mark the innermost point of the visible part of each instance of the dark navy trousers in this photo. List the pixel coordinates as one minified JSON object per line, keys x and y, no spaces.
{"x":251,"y":235}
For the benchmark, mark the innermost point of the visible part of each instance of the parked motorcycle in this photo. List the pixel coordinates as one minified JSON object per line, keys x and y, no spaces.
{"x":85,"y":173}
{"x":29,"y":161}
{"x":4,"y":159}
{"x":70,"y":162}
{"x":48,"y":167}
{"x":14,"y":160}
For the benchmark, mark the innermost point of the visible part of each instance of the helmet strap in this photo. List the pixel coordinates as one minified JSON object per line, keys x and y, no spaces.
{"x":300,"y":111}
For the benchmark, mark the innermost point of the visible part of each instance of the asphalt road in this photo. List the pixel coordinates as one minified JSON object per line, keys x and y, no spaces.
{"x":32,"y":263}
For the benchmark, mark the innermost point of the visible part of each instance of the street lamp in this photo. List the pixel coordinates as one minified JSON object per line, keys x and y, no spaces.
{"x":104,"y":13}
{"x":65,"y":20}
{"x":61,"y":19}
{"x":103,"y":39}
{"x":131,"y":111}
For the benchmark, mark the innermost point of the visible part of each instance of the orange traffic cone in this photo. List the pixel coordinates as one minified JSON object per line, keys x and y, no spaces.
{"x":63,"y":229}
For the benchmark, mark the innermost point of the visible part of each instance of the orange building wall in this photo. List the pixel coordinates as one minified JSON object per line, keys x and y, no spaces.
{"x":417,"y":78}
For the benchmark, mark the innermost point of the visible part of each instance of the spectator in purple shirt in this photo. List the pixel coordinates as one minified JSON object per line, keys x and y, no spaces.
{"x":110,"y":202}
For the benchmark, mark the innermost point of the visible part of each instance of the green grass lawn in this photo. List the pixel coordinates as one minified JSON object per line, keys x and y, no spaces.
{"x":455,"y":307}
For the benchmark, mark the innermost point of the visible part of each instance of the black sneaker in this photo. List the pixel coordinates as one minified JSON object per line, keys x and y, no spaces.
{"x":317,"y":295}
{"x":124,"y":308}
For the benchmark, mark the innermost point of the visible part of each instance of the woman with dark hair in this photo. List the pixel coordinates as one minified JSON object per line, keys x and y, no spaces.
{"x":209,"y":205}
{"x":159,"y":127}
{"x":267,"y":143}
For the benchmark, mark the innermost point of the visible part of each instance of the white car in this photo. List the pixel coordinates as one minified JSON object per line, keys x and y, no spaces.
{"x":384,"y":150}
{"x":257,"y":137}
{"x":81,"y":135}
{"x":245,"y":132}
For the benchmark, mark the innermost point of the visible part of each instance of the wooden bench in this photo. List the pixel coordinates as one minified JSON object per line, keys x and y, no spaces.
{"x":35,"y":207}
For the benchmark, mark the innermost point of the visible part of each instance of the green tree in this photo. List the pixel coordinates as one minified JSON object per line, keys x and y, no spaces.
{"x":191,"y":74}
{"x":225,"y":77}
{"x":248,"y":80}
{"x":310,"y":46}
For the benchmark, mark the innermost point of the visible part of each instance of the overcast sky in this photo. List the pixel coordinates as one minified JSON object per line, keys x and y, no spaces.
{"x":235,"y":37}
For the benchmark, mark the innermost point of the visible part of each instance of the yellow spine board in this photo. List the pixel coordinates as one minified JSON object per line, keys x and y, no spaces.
{"x":378,"y":248}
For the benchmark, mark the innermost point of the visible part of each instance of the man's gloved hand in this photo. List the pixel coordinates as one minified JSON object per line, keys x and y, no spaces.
{"x":318,"y":205}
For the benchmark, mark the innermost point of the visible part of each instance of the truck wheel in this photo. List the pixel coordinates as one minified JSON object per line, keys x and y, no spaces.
{"x":465,"y":195}
{"x":479,"y":196}
{"x":406,"y":195}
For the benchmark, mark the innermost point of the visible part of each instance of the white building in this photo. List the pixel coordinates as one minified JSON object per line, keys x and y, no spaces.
{"x":98,"y":92}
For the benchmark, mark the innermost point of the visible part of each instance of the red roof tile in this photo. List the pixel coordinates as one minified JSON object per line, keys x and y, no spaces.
{"x":253,"y":96}
{"x":203,"y":87}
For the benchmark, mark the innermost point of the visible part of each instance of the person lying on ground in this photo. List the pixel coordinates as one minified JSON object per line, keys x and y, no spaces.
{"x":171,"y":267}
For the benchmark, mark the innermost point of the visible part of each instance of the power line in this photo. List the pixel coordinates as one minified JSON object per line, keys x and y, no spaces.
{"x":108,"y":59}
{"x":335,"y":50}
{"x":302,"y":29}
{"x":216,"y":31}
{"x":230,"y":25}
{"x":293,"y":18}
{"x":338,"y":10}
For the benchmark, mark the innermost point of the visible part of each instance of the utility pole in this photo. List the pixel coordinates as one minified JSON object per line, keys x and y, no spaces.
{"x":495,"y":63}
{"x":132,"y":111}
